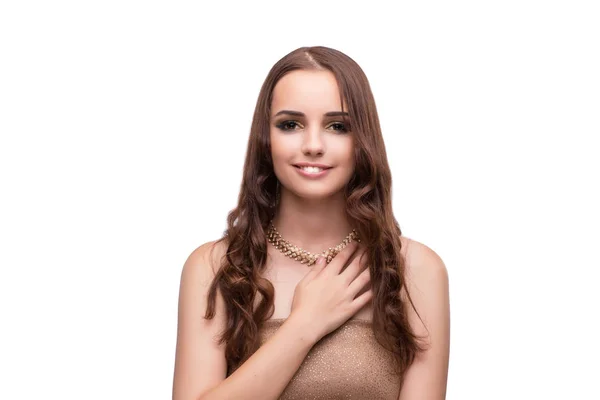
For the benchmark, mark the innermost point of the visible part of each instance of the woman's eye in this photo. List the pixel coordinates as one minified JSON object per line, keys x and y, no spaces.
{"x":338,"y":126}
{"x":287,"y":125}
{"x":293,"y":125}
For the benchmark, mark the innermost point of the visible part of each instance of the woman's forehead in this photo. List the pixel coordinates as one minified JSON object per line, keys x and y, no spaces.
{"x":309,"y":92}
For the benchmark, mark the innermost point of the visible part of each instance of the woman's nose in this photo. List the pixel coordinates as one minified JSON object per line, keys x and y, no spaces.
{"x":312,"y":144}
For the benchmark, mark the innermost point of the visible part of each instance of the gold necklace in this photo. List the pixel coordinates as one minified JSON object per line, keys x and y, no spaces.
{"x":306,"y":257}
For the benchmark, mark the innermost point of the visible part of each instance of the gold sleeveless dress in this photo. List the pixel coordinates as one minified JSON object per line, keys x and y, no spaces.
{"x":346,"y":364}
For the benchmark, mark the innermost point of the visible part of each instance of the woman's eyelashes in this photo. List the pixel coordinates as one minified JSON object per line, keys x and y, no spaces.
{"x":287,"y":125}
{"x":293,"y":125}
{"x":341,"y":126}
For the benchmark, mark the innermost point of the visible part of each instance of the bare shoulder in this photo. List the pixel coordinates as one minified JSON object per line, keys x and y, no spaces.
{"x":422,"y":264}
{"x":204,"y":261}
{"x":200,"y":362}
{"x":427,"y":283}
{"x":426,"y":279}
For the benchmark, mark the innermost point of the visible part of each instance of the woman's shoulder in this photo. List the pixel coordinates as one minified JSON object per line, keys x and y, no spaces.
{"x":205,"y":260}
{"x":420,"y":258}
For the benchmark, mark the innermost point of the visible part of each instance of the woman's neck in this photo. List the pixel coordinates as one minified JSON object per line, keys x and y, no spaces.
{"x":313,"y":225}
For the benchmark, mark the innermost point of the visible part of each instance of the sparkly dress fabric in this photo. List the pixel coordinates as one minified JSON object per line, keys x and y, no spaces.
{"x":348,"y":363}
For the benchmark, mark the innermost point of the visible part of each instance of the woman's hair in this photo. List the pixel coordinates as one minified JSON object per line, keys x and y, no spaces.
{"x":369,"y":210}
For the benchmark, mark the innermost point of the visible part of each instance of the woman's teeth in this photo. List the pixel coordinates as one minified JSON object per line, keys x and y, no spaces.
{"x":312,"y":170}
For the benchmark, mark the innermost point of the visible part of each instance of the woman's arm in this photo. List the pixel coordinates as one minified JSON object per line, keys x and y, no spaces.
{"x":200,"y":365}
{"x":268,"y":371}
{"x":427,"y":280}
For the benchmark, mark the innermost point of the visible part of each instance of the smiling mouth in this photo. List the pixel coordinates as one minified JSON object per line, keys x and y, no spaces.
{"x":311,"y":169}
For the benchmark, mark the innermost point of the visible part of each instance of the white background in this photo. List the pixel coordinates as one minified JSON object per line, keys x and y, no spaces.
{"x":123,"y":132}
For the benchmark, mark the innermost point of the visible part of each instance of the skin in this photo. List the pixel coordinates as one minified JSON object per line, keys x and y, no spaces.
{"x":312,"y":136}
{"x":310,"y":215}
{"x":311,"y":212}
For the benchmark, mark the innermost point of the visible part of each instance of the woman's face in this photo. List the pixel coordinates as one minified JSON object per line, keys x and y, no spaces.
{"x":311,"y":145}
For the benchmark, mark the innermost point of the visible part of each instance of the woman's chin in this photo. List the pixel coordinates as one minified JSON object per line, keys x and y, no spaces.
{"x":319,"y":195}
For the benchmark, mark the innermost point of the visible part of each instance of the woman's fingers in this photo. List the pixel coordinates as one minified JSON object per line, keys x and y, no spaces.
{"x":316,"y":268}
{"x":359,"y":283}
{"x":355,"y":267}
{"x":361,"y":300}
{"x":338,"y":262}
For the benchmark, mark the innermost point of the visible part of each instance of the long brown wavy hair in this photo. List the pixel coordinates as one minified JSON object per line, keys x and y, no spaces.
{"x":368,"y":207}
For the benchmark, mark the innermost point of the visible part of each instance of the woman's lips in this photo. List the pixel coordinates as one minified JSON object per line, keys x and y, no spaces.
{"x":310,"y":174}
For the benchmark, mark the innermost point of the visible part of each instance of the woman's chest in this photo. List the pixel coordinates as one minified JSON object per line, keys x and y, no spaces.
{"x":285,"y":276}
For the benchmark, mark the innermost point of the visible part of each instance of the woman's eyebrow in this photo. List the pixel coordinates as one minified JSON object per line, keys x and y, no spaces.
{"x":301,"y":114}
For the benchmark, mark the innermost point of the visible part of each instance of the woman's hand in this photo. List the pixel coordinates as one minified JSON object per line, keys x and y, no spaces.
{"x":325,"y":298}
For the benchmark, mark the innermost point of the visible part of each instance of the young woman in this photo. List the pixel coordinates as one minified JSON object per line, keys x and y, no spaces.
{"x":313,"y":292}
